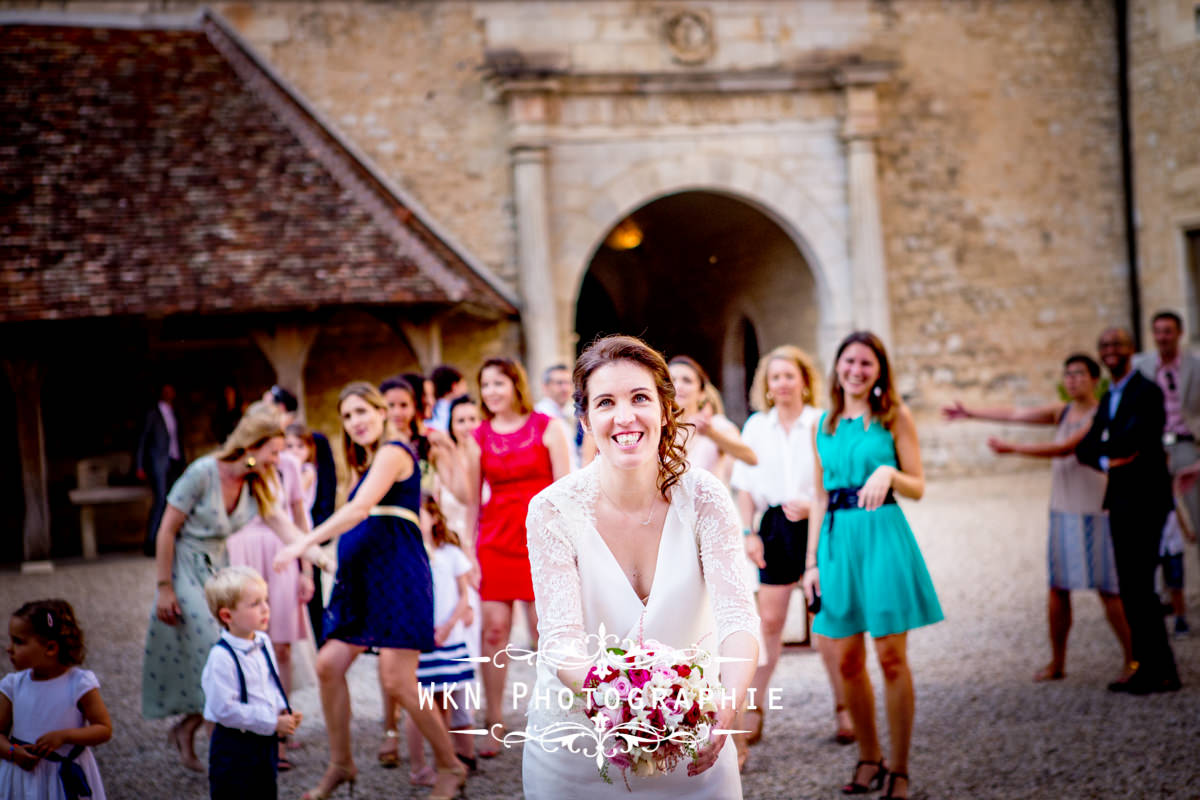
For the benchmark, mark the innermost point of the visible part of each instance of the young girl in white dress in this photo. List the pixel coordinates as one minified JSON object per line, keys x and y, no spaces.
{"x":441,"y":670}
{"x":51,"y":712}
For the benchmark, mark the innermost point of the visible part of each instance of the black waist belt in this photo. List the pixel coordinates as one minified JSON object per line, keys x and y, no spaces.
{"x":842,"y":499}
{"x":70,"y":775}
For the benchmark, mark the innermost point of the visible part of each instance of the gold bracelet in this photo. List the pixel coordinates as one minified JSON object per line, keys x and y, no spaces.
{"x":160,"y":584}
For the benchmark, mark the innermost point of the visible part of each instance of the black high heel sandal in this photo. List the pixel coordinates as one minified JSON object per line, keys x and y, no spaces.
{"x":873,"y":784}
{"x":891,"y":786}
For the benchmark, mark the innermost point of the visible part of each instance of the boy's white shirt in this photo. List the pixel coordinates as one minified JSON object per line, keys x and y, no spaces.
{"x":222,"y":696}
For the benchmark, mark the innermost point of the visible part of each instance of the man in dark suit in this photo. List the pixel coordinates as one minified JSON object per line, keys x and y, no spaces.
{"x":159,"y":458}
{"x":324,"y":500}
{"x":1125,"y":440}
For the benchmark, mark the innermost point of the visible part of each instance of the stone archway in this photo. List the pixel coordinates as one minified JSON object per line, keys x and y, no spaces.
{"x":713,"y":277}
{"x":816,"y":231}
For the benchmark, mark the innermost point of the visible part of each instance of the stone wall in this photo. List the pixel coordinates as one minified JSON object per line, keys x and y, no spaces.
{"x":1164,"y":81}
{"x":402,"y":80}
{"x":999,"y":155}
{"x":1000,"y":181}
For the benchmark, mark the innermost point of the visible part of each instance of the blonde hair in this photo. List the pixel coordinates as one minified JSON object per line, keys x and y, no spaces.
{"x":713,"y":398}
{"x":260,"y":424}
{"x":358,"y":458}
{"x":759,"y":400}
{"x":225,"y":589}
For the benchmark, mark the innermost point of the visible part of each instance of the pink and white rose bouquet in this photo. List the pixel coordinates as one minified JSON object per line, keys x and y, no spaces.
{"x":653,"y":707}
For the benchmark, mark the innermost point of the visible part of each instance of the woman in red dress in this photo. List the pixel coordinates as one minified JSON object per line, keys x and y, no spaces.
{"x":520,"y":452}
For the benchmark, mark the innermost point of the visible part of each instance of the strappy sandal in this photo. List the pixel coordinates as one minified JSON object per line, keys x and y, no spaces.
{"x":346,"y":775}
{"x":873,"y":784}
{"x":490,"y":746}
{"x":422,"y":777}
{"x":891,"y":786}
{"x":460,"y":786}
{"x":389,"y":755}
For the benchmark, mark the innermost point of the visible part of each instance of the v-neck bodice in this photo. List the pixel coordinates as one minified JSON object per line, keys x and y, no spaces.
{"x":610,"y":595}
{"x":698,"y":595}
{"x":199,"y":496}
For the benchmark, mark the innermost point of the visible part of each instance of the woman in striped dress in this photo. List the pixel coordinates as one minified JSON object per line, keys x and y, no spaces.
{"x":1079,"y":549}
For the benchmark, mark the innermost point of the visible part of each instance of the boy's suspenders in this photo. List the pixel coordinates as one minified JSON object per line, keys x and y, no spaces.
{"x":244,"y":697}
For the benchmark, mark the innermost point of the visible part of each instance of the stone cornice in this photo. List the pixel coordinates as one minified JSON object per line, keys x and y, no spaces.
{"x":511,"y":72}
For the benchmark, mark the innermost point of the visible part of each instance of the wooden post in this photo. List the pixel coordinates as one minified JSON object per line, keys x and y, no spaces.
{"x":26,"y":376}
{"x":426,"y":341}
{"x":287,"y":348}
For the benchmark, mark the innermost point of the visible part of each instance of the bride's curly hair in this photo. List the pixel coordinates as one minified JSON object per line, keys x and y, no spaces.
{"x":672,"y":462}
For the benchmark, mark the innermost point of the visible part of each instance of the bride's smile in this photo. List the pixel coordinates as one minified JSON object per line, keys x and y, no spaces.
{"x":624,"y":414}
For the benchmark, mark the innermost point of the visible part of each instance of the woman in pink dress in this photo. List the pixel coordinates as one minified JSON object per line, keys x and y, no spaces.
{"x":255,"y":545}
{"x":519,"y":452}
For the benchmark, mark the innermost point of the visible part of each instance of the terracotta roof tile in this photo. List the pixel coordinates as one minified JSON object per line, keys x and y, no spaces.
{"x":162,"y":171}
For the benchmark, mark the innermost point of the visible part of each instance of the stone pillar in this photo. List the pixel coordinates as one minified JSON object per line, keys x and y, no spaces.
{"x":528,"y":114}
{"x":287,"y":348}
{"x":26,"y":376}
{"x":872,"y":304}
{"x":426,"y":341}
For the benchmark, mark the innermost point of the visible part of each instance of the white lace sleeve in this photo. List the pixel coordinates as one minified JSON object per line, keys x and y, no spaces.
{"x":718,"y":531}
{"x":556,"y":587}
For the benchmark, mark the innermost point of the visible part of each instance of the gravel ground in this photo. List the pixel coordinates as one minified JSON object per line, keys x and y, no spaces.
{"x":983,"y":730}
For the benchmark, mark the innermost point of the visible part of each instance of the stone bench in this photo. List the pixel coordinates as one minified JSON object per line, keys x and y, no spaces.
{"x":92,"y":477}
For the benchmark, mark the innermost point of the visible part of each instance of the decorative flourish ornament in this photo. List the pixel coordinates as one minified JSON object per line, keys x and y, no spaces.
{"x":688,"y":34}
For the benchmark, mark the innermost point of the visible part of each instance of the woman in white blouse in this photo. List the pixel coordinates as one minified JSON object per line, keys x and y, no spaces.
{"x":778,"y":491}
{"x":640,"y":546}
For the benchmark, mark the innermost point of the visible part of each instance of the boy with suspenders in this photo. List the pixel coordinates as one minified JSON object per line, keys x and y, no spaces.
{"x":242,"y":691}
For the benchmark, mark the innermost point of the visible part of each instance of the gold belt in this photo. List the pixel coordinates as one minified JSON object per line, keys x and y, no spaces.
{"x":395,"y":511}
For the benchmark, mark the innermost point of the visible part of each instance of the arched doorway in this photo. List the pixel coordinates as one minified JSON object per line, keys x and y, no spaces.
{"x":705,"y":274}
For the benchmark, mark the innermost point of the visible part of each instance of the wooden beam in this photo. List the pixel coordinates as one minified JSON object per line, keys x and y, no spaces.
{"x":287,"y":348}
{"x":26,"y":376}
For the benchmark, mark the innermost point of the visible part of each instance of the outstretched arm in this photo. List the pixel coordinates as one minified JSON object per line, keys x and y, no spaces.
{"x":729,"y":440}
{"x":392,"y":463}
{"x":1039,"y":449}
{"x":1039,"y":415}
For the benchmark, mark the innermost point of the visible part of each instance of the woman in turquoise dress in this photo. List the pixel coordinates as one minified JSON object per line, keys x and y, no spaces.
{"x":216,"y":495}
{"x":864,"y":563}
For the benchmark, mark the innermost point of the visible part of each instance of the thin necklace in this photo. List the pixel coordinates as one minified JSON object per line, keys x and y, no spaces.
{"x":649,"y":516}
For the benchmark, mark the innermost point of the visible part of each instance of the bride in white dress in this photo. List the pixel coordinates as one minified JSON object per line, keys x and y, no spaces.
{"x":637,"y":544}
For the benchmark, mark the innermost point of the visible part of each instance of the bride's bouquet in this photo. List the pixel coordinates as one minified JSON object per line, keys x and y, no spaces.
{"x":653,"y":707}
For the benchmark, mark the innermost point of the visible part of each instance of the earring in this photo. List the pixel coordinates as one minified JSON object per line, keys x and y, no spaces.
{"x":251,"y":462}
{"x":877,"y":391}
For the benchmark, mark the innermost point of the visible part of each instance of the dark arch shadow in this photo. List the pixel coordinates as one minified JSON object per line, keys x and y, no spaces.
{"x":713,"y":277}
